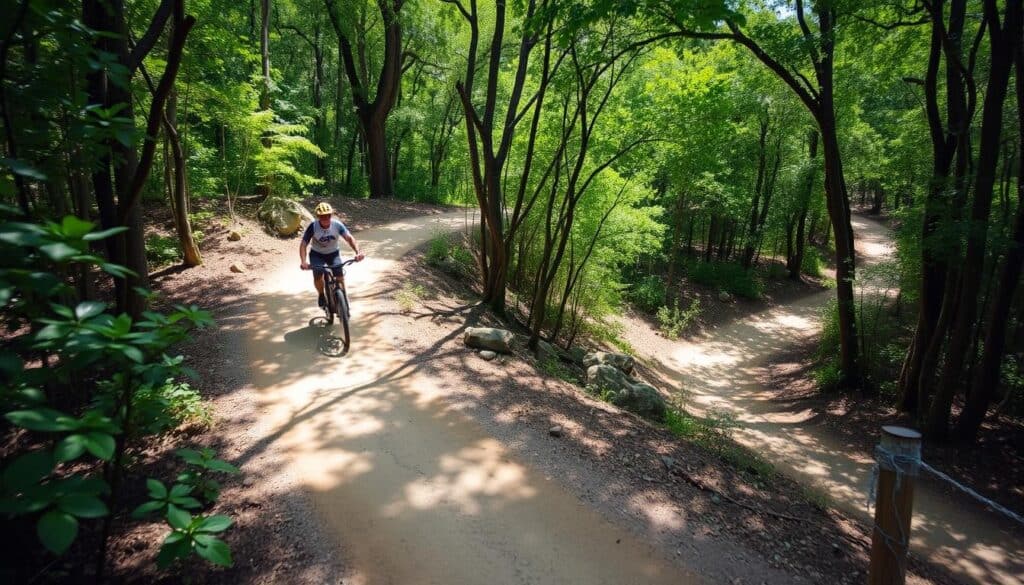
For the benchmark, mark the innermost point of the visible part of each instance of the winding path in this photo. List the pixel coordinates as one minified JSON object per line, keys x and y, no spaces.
{"x":725,"y":370}
{"x":415,"y":491}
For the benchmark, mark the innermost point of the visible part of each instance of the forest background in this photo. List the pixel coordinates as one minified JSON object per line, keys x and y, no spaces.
{"x":615,"y":150}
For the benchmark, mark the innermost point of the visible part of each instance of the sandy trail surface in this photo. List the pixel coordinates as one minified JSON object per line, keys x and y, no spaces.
{"x":725,"y":370}
{"x":416,"y":491}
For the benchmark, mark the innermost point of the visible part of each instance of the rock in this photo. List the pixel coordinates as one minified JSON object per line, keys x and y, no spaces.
{"x":234,"y":236}
{"x":488,"y":354}
{"x":238,"y":267}
{"x":627,"y":393}
{"x":623,"y":362}
{"x":724,"y":297}
{"x":668,"y":461}
{"x":555,"y":431}
{"x":498,"y":340}
{"x":283,"y":217}
{"x":576,"y":355}
{"x":546,"y":352}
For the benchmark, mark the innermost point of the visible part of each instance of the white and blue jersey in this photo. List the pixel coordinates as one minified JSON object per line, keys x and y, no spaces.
{"x":325,"y":241}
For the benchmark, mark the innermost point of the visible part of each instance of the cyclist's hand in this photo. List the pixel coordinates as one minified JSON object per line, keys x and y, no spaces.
{"x":360,"y":256}
{"x":304,"y":265}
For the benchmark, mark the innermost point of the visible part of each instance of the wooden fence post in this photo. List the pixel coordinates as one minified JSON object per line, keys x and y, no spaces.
{"x":897,"y":455}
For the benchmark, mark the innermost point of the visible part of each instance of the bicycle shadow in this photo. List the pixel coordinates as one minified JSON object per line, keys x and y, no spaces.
{"x":317,"y":335}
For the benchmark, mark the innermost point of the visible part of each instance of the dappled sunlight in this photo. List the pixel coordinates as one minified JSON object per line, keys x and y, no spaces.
{"x":394,"y":466}
{"x":464,"y":478}
{"x":724,"y":372}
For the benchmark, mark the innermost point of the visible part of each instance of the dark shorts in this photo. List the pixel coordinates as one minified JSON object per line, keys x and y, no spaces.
{"x":318,"y":260}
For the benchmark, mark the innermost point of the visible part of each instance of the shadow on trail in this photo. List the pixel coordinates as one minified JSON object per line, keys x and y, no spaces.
{"x":726,"y":371}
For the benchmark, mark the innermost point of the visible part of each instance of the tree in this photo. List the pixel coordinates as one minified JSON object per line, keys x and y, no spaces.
{"x":373,"y":114}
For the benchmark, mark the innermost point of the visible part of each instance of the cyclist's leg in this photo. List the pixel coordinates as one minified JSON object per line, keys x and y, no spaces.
{"x":317,"y":260}
{"x":335,"y":262}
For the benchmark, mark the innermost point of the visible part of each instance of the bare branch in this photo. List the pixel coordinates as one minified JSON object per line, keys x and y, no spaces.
{"x":145,"y":44}
{"x":891,"y":25}
{"x":156,"y":113}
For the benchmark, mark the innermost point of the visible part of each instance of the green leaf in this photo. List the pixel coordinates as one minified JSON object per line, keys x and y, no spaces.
{"x":74,"y":227}
{"x":218,"y":465}
{"x":20,"y":167}
{"x":157,"y":491}
{"x":88,"y":309}
{"x":58,"y":251}
{"x":27,"y":470}
{"x":173,"y":550}
{"x":101,"y":445}
{"x":180,"y":490}
{"x":101,"y":235}
{"x":116,"y":270}
{"x":83,"y":506}
{"x":217,"y":552}
{"x":41,"y":419}
{"x":178,"y":518}
{"x":133,"y":353}
{"x":57,"y":530}
{"x":190,"y":456}
{"x":218,"y":523}
{"x":187,"y":502}
{"x":147,"y":508}
{"x":70,"y":448}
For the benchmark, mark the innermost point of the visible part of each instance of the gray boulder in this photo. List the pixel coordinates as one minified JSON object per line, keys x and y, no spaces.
{"x":546,"y":352}
{"x":623,"y":362}
{"x":626,"y":392}
{"x":577,"y":355}
{"x":283,"y":217}
{"x":498,"y":340}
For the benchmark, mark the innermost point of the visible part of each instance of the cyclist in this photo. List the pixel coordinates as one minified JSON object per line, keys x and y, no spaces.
{"x":322,"y":237}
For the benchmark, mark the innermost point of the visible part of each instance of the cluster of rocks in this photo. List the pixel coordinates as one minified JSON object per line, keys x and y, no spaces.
{"x":609,"y":374}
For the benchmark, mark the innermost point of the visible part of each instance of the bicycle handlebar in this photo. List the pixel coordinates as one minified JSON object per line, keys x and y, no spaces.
{"x":324,"y":269}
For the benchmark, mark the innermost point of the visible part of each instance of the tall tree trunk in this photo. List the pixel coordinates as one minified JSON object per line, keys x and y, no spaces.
{"x":934,"y":263}
{"x":796,"y":262}
{"x":1003,"y":46}
{"x":373,"y":115}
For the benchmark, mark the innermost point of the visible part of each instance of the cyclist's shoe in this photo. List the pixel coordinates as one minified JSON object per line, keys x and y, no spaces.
{"x":321,"y":300}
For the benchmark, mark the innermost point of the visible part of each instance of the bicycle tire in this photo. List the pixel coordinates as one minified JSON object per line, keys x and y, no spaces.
{"x":341,"y":302}
{"x":330,"y":308}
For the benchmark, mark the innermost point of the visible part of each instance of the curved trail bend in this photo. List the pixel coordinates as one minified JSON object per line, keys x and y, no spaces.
{"x":416,"y":492}
{"x":725,"y":370}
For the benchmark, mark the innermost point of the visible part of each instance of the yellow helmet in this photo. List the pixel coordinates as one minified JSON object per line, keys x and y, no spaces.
{"x":324,"y":208}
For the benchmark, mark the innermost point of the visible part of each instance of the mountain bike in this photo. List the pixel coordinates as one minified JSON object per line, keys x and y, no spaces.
{"x":335,"y":306}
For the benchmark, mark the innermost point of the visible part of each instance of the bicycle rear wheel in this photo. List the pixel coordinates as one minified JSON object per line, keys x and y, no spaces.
{"x":341,"y":303}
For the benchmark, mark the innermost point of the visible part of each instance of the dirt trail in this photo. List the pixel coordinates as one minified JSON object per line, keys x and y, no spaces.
{"x":724,"y":370}
{"x":417,"y":492}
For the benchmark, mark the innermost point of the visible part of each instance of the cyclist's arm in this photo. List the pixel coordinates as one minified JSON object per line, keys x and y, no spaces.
{"x":304,"y":245}
{"x":352,"y":244}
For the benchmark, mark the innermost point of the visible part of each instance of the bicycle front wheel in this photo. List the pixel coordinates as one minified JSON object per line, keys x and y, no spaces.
{"x":341,"y":303}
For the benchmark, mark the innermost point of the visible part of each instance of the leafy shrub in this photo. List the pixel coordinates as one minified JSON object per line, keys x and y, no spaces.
{"x":813,"y":263}
{"x":553,"y":367}
{"x":450,"y":254}
{"x":410,"y":296}
{"x":727,"y":276}
{"x":65,"y":463}
{"x":674,"y":321}
{"x":648,"y":294}
{"x":162,"y":250}
{"x":156,"y":408}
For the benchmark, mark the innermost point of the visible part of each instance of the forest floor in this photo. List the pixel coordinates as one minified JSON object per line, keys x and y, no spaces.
{"x":342,"y":483}
{"x":756,"y":372}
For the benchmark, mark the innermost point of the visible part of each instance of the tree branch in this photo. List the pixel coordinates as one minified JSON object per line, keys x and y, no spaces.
{"x":145,"y":44}
{"x":156,"y":112}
